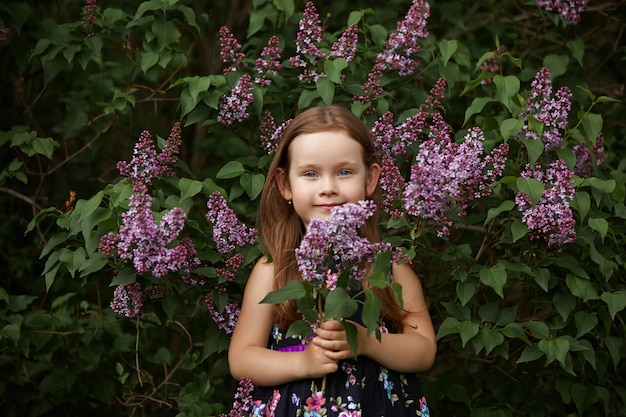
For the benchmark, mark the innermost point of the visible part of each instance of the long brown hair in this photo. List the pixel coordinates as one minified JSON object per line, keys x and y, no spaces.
{"x":282,"y":229}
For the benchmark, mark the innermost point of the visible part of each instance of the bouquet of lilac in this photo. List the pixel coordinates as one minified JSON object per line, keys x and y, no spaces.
{"x":339,"y":270}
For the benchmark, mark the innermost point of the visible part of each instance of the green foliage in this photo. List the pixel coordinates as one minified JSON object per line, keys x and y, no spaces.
{"x":522,"y":330}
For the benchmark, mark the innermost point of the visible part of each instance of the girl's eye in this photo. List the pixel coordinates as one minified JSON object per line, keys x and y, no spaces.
{"x":309,"y":174}
{"x":345,"y":172}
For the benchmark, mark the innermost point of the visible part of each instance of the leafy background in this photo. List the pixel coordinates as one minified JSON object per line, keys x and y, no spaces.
{"x":522,"y":330}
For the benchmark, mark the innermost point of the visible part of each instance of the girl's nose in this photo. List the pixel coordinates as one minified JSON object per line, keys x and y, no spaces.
{"x":329,"y":186}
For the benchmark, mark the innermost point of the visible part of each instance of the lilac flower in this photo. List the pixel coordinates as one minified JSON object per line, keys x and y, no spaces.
{"x":492,"y":64}
{"x":445,"y":172}
{"x":372,"y":88}
{"x":345,"y":46}
{"x":233,"y":264}
{"x":230,"y":51}
{"x":89,"y":15}
{"x":570,"y":10}
{"x":270,"y":134}
{"x":269,"y":62}
{"x":148,"y":244}
{"x":234,"y":107}
{"x":551,"y":219}
{"x":584,"y":163}
{"x":551,"y":111}
{"x":146,"y":165}
{"x":127,"y":300}
{"x":391,"y":181}
{"x":4,"y":33}
{"x":334,"y":245}
{"x":228,"y":233}
{"x":402,"y":44}
{"x":226,"y":320}
{"x":243,"y":399}
{"x":309,"y":34}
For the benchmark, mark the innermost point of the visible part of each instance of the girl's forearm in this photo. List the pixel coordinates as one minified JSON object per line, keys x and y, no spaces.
{"x":266,"y":367}
{"x":401,"y":352}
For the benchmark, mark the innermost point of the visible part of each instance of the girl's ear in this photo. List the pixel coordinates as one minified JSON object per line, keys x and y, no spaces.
{"x":282,"y":180}
{"x":373,"y":174}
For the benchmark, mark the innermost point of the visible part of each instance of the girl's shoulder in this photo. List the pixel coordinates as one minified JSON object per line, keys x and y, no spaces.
{"x":263,"y":272}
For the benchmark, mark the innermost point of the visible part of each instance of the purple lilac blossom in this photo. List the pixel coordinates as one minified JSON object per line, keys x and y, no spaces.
{"x":230,"y":51}
{"x":391,"y":182}
{"x":372,"y":88}
{"x":402,"y":44}
{"x":225,"y":320}
{"x":584,"y":163}
{"x":446,"y":172}
{"x":345,"y":46}
{"x":4,"y":33}
{"x":228,"y":233}
{"x":492,"y":64}
{"x":551,"y":111}
{"x":146,"y":165}
{"x":551,"y":219}
{"x":309,"y":33}
{"x":570,"y":10}
{"x":90,"y":10}
{"x":334,"y":245}
{"x":234,"y":107}
{"x":269,"y":62}
{"x":127,"y":299}
{"x":233,"y":264}
{"x":243,"y":400}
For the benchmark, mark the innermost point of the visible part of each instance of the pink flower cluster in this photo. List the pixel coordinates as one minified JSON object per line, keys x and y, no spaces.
{"x":243,"y":401}
{"x":269,"y":62}
{"x":90,"y":11}
{"x":570,"y":10}
{"x":226,"y":320}
{"x":492,"y":64}
{"x":228,"y":232}
{"x":584,"y":161}
{"x":150,"y":245}
{"x":270,"y":134}
{"x":307,"y":49}
{"x":4,"y":33}
{"x":127,"y":299}
{"x":398,"y":52}
{"x":234,"y":107}
{"x":230,"y":51}
{"x":446,"y":172}
{"x":402,"y":44}
{"x":551,"y":219}
{"x":549,"y":110}
{"x":334,"y":245}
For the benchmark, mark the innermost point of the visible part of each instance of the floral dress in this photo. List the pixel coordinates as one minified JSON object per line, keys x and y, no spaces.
{"x":359,"y":388}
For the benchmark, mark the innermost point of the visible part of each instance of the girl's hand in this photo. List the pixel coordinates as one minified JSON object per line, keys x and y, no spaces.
{"x":331,"y":336}
{"x":317,"y":362}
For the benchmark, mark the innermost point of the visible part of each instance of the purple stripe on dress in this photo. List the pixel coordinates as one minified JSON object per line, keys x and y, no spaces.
{"x":292,"y":348}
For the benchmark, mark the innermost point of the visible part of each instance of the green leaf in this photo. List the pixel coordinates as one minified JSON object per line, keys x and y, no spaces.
{"x":494,"y":277}
{"x":306,"y":98}
{"x":535,"y":148}
{"x":170,"y":302}
{"x":592,"y":125}
{"x":293,"y":290}
{"x":554,"y":349}
{"x":509,"y":128}
{"x":564,"y":304}
{"x":518,"y":230}
{"x":149,"y":60}
{"x":506,"y":87}
{"x":616,"y":301}
{"x":333,"y":69}
{"x":44,"y":146}
{"x":477,"y":106}
{"x":189,"y":187}
{"x":371,"y":312}
{"x":465,"y":291}
{"x":531,"y":187}
{"x":339,"y":305}
{"x":231,"y":169}
{"x":600,"y":225}
{"x":448,"y":327}
{"x":542,"y":278}
{"x":286,"y":6}
{"x":198,"y":85}
{"x":582,"y":288}
{"x":581,"y":203}
{"x":467,"y":330}
{"x":585,"y":322}
{"x":124,"y":277}
{"x":447,"y":49}
{"x":515,"y":330}
{"x":299,"y":328}
{"x":351,"y":334}
{"x":252,"y":184}
{"x":557,"y":64}
{"x":538,"y":329}
{"x":326,"y":89}
{"x":490,"y":339}
{"x":577,"y":48}
{"x":506,"y":205}
{"x":530,"y":354}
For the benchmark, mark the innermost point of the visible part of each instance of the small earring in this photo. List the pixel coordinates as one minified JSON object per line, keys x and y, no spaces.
{"x":289,"y":202}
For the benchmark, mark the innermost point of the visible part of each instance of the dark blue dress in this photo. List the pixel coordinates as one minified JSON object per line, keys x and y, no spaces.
{"x":359,"y":388}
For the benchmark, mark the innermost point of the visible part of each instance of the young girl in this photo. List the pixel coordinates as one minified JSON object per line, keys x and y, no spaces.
{"x":326,"y":158}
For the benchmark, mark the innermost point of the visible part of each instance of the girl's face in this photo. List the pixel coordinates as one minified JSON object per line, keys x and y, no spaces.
{"x":326,"y":169}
